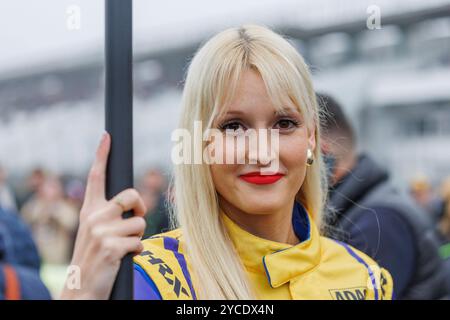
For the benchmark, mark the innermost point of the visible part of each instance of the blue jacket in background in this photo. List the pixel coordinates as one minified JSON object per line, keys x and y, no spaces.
{"x":18,"y":250}
{"x":369,"y":213}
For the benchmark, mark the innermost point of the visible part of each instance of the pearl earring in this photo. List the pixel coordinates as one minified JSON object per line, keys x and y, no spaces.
{"x":310,"y":158}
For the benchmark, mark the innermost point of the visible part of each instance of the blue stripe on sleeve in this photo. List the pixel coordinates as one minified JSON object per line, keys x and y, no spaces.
{"x":144,"y":287}
{"x":172,"y":245}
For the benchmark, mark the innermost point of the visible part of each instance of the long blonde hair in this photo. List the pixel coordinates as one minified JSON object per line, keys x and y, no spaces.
{"x":211,"y":80}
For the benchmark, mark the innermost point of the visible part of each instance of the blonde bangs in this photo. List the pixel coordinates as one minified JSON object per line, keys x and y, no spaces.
{"x":280,"y":68}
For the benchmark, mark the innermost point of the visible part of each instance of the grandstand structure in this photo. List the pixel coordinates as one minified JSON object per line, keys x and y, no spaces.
{"x":393,"y":82}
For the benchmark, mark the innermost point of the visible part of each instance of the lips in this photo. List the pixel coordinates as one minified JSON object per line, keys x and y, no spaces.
{"x":258,"y":178}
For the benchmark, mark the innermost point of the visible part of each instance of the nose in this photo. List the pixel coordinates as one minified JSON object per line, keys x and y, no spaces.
{"x":264,"y":149}
{"x":260,"y":158}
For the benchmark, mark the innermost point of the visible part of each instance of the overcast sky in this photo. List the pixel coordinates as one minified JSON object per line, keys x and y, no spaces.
{"x":33,"y":31}
{"x":30,"y":30}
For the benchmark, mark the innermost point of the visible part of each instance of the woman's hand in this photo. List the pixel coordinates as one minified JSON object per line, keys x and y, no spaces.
{"x":104,"y":237}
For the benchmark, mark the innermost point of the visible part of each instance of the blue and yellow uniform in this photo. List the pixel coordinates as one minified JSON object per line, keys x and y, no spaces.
{"x":316,"y":268}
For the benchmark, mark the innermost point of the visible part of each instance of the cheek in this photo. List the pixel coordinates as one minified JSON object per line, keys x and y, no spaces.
{"x":293,"y":154}
{"x":224,"y":173}
{"x":223,"y":176}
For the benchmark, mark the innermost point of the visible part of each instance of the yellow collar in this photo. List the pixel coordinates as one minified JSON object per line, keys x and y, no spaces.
{"x":281,"y":262}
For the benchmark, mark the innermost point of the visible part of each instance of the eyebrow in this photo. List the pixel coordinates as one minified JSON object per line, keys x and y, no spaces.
{"x":287,"y":111}
{"x":283,"y":112}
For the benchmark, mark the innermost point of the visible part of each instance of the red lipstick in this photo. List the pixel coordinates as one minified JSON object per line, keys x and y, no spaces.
{"x":258,"y":178}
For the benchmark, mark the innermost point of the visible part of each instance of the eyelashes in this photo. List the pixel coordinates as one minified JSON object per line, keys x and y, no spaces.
{"x":283,"y":124}
{"x":291,"y":122}
{"x":231,"y":125}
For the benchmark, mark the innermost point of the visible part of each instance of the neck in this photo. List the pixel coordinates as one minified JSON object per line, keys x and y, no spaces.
{"x":275,"y":226}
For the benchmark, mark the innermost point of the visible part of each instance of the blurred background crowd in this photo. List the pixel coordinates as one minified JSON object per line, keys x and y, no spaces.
{"x":49,"y":205}
{"x":391,"y":79}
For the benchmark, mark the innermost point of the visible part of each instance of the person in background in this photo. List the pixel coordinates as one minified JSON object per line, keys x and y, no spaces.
{"x":53,"y":221}
{"x":152,"y":189}
{"x":74,"y":190}
{"x":7,"y":198}
{"x":19,"y":261}
{"x":422,"y":192}
{"x":369,"y":213}
{"x":444,"y":225}
{"x":32,"y":185}
{"x":444,"y":220}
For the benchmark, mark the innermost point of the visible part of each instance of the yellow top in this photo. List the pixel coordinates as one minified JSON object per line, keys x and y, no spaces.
{"x":316,"y":268}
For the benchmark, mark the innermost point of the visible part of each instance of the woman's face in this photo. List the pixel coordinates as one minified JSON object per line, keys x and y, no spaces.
{"x":251,"y":108}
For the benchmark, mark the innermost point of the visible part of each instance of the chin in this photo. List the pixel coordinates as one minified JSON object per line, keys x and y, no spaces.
{"x":257,"y":204}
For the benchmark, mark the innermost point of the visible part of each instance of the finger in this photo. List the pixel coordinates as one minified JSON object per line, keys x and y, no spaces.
{"x":130,"y":200}
{"x":95,"y":188}
{"x":130,"y":245}
{"x":134,"y":226}
{"x":127,"y":200}
{"x":115,"y":248}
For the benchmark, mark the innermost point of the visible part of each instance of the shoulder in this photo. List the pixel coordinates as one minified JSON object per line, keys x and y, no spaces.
{"x":169,"y":241}
{"x":382,"y":225}
{"x":19,"y":245}
{"x":164,"y":262}
{"x":165,"y":247}
{"x":378,"y":214}
{"x":356,"y":268}
{"x":22,"y":283}
{"x":389,"y":202}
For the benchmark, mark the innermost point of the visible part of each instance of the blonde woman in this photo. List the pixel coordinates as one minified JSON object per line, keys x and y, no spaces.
{"x":247,"y":229}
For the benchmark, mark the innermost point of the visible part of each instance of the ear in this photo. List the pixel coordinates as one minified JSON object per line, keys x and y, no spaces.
{"x":312,"y":138}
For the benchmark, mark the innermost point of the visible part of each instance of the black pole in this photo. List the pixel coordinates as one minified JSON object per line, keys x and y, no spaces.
{"x":119,"y":116}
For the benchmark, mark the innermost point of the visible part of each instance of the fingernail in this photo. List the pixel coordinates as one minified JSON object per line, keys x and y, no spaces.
{"x":103,"y":138}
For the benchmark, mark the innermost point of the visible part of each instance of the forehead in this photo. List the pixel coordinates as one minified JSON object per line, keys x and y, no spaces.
{"x":250,"y":82}
{"x":251,"y":95}
{"x":250,"y":89}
